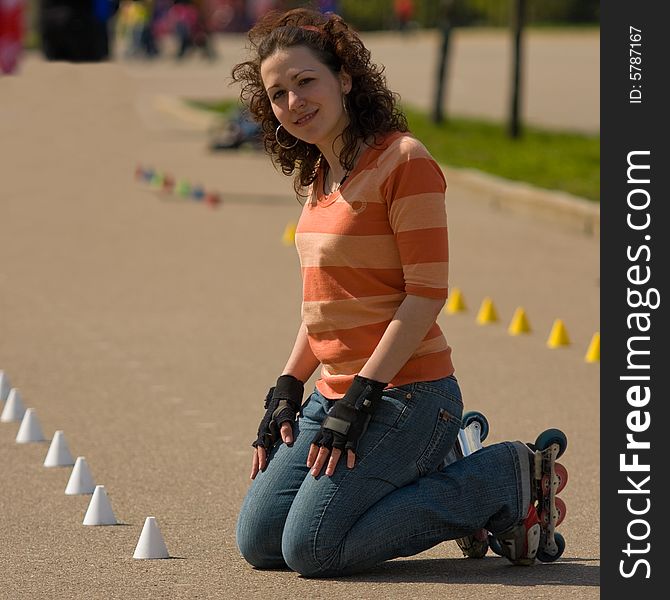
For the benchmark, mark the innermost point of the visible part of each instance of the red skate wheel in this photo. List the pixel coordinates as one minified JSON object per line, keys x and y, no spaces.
{"x":560,"y":513}
{"x":562,"y":476}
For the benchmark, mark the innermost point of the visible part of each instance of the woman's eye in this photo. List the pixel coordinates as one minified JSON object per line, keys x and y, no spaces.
{"x":306,"y":80}
{"x":277,"y":94}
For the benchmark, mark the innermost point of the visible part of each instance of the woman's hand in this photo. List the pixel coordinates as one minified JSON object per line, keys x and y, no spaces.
{"x":282,"y":404}
{"x":346,"y":423}
{"x":260,"y":462}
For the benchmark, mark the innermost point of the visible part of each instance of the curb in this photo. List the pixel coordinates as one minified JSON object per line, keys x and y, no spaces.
{"x":559,"y":208}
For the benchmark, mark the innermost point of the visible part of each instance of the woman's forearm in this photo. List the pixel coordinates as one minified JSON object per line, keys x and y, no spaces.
{"x":410,"y":324}
{"x":301,"y":363}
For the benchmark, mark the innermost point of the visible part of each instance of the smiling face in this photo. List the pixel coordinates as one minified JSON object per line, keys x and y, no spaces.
{"x":306,"y":96}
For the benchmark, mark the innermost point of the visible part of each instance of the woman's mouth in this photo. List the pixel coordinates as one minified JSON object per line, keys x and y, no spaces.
{"x":306,"y":119}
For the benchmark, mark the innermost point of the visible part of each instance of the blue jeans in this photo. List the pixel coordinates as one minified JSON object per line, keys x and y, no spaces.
{"x":395,"y":502}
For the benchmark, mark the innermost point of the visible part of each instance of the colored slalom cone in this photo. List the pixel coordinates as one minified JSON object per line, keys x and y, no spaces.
{"x":99,"y":510}
{"x":5,"y":386}
{"x":13,"y":410}
{"x":58,"y":454}
{"x":157,"y":181}
{"x":456,"y":303}
{"x":593,"y":352}
{"x":288,"y":237}
{"x":80,"y":481}
{"x":487,"y":312}
{"x":168,"y":184}
{"x":139,"y":173}
{"x":151,"y":543}
{"x":148,"y":174}
{"x":213,"y":199}
{"x":519,"y":323}
{"x":30,"y":429}
{"x":183,"y":188}
{"x":558,"y":336}
{"x":198,"y":193}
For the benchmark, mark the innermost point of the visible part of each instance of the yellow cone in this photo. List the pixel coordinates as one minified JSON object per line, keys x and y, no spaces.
{"x":456,"y":303}
{"x":288,"y":238}
{"x":558,"y":336}
{"x":593,"y":353}
{"x":519,"y":323}
{"x":487,"y":312}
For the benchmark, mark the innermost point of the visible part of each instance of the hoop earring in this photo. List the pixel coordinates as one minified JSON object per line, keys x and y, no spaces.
{"x":277,"y":138}
{"x":344,"y":104}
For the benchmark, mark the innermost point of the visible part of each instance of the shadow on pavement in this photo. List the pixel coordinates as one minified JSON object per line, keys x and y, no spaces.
{"x":497,"y":571}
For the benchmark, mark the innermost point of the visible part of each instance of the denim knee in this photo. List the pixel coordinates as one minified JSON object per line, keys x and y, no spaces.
{"x":298,"y":547}
{"x":258,"y":544}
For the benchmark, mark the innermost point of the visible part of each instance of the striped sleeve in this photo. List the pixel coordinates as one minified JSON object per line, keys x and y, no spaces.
{"x":413,"y":187}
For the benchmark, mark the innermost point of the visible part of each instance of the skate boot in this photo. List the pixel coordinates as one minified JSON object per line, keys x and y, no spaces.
{"x":535,"y":537}
{"x":474,"y":429}
{"x":475,"y":545}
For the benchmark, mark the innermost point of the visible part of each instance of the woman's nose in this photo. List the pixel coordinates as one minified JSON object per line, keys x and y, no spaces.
{"x":295,"y":101}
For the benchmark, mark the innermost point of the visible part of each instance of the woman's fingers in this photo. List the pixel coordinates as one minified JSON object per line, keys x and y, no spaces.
{"x":332,"y":463}
{"x":318,"y":456}
{"x":321,"y":458}
{"x":254,"y":465}
{"x":286,"y":432}
{"x":311,"y":456}
{"x":259,"y":462}
{"x":262,"y":458}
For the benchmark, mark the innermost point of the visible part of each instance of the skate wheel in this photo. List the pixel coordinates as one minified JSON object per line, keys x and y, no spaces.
{"x":494,"y":544}
{"x":552,"y":436}
{"x":561,"y":510}
{"x":543,"y":556}
{"x":473,"y":416}
{"x":561,"y":475}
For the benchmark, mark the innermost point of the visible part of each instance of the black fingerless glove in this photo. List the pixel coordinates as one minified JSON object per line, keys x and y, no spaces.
{"x":281,"y":405}
{"x":348,"y":418}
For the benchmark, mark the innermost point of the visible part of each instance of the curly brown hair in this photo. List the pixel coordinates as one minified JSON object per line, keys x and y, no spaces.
{"x":371,"y":106}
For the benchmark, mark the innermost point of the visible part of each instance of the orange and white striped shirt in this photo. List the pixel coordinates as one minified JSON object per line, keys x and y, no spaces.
{"x":363,"y":249}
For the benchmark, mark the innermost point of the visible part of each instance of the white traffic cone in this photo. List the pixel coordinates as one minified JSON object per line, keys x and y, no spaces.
{"x":13,"y":410}
{"x":151,"y":543}
{"x":58,"y":454}
{"x":99,"y":510}
{"x":5,"y":386}
{"x":30,"y":429}
{"x":80,"y":481}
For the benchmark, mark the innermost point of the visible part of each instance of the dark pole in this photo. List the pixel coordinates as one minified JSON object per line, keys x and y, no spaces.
{"x":519,"y":17}
{"x":445,"y":30}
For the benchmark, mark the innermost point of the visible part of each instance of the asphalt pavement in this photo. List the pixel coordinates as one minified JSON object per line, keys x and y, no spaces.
{"x":148,"y":328}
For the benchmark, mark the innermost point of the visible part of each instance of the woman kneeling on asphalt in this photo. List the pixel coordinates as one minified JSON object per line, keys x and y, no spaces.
{"x":353,"y":476}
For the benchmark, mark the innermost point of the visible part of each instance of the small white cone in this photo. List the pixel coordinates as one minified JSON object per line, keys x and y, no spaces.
{"x":30,"y":429}
{"x":80,"y":481}
{"x":13,"y":410}
{"x":151,"y":543}
{"x":99,"y":510}
{"x":5,"y":386}
{"x":58,"y":454}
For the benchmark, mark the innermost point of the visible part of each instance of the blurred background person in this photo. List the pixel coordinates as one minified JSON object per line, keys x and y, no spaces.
{"x":189,"y":26}
{"x":404,"y":11}
{"x":11,"y":34}
{"x":131,"y":23}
